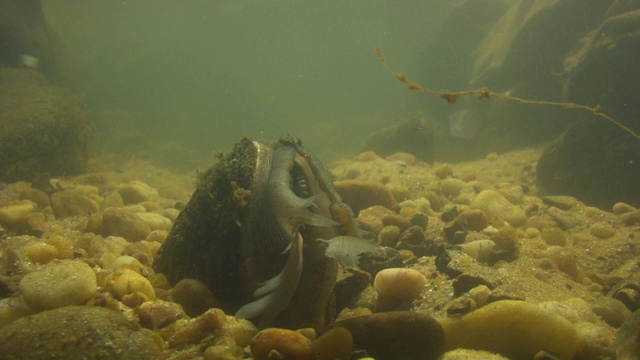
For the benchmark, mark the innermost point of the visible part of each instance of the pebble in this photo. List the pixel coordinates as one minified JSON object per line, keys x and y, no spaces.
{"x":620,"y":208}
{"x":126,"y":282}
{"x":479,"y":249}
{"x":155,"y":221}
{"x":228,"y":330}
{"x":397,"y":335}
{"x":13,"y":308}
{"x":492,"y":328}
{"x":13,"y":212}
{"x":452,"y":187}
{"x":382,"y":257}
{"x":396,"y":220}
{"x":631,"y":218}
{"x":397,"y":285}
{"x":560,"y":201}
{"x":566,"y":219}
{"x":40,"y":252}
{"x":78,"y":332}
{"x":158,"y":314}
{"x":194,"y":297}
{"x":497,"y":206}
{"x":602,"y":230}
{"x":119,"y":222}
{"x":335,"y":344}
{"x":36,"y":195}
{"x":565,"y":259}
{"x":273,"y":343}
{"x":389,"y":235}
{"x":612,"y":311}
{"x":112,"y":199}
{"x":468,"y":354}
{"x":137,"y":191}
{"x":361,"y":194}
{"x":370,"y":219}
{"x":59,"y":283}
{"x":158,"y":236}
{"x":69,"y":203}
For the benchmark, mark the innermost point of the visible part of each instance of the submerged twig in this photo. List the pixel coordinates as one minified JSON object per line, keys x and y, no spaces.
{"x":484,"y":93}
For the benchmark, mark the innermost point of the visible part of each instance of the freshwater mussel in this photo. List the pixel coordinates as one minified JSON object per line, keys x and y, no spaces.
{"x":251,"y":233}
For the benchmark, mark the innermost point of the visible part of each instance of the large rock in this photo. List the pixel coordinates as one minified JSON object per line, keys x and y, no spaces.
{"x":77,"y":332}
{"x":595,"y":160}
{"x":43,"y":129}
{"x":516,"y":48}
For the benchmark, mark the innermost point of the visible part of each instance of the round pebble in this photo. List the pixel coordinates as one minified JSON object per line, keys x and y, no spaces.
{"x":136,"y":192}
{"x":126,"y":281}
{"x":602,"y":230}
{"x":389,"y":235}
{"x":119,"y":222}
{"x":155,"y":221}
{"x":59,"y":283}
{"x":497,"y":206}
{"x":69,"y":203}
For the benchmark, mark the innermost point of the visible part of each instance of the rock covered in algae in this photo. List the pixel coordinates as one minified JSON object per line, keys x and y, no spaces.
{"x":77,"y":332}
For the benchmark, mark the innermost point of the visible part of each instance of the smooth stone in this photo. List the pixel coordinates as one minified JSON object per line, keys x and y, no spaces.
{"x":396,"y":335}
{"x":155,"y":221}
{"x":78,"y":332}
{"x":494,"y":326}
{"x":361,"y":194}
{"x":468,"y":354}
{"x":194,"y":297}
{"x":119,"y":222}
{"x":478,"y":249}
{"x":137,"y":191}
{"x":452,"y":186}
{"x":631,"y":218}
{"x":620,"y":208}
{"x":40,"y":252}
{"x":57,"y":284}
{"x":14,"y":212}
{"x":602,"y":230}
{"x":69,"y":203}
{"x":495,"y":205}
{"x":388,"y":235}
{"x":126,"y":281}
{"x":370,"y":219}
{"x":273,"y":343}
{"x":112,"y":199}
{"x":563,"y":202}
{"x":336,"y":343}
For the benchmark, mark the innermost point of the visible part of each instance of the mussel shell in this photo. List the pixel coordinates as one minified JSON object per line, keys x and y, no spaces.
{"x":222,"y":236}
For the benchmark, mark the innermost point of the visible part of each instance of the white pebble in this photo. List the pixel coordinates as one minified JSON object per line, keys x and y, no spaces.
{"x":497,"y":206}
{"x":57,"y":284}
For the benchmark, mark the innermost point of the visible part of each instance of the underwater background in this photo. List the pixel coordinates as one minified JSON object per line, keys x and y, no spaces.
{"x":203,"y":74}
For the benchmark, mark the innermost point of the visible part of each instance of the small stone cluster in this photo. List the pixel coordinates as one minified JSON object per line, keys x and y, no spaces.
{"x":459,"y":258}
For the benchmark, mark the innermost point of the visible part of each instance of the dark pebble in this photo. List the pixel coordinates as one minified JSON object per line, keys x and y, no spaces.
{"x":465,"y":282}
{"x":382,"y":257}
{"x":396,"y":335}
